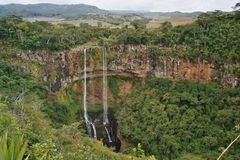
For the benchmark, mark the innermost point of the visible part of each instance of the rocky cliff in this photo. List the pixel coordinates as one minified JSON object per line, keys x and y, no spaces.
{"x":61,"y":68}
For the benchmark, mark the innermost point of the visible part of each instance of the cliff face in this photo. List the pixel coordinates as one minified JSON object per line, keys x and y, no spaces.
{"x":59,"y":69}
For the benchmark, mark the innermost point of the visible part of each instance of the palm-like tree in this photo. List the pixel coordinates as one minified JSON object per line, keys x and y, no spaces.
{"x":237,"y":7}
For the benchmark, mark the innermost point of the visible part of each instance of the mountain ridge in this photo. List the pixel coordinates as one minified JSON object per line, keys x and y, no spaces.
{"x":75,"y":10}
{"x":48,"y":10}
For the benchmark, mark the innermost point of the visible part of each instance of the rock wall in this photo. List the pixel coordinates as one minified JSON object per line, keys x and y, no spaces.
{"x":61,"y":68}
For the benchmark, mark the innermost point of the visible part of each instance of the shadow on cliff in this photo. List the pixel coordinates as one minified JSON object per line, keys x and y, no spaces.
{"x":105,"y":133}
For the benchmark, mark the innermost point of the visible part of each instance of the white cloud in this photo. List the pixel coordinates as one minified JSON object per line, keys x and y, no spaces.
{"x":153,"y":5}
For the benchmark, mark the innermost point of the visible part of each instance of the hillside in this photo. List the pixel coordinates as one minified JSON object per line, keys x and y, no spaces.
{"x":48,"y":10}
{"x":80,"y":13}
{"x":76,"y":10}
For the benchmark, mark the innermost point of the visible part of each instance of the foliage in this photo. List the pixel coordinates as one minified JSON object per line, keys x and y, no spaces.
{"x":166,"y":26}
{"x":138,"y":151}
{"x":138,"y":24}
{"x":13,"y":84}
{"x":25,"y":116}
{"x":171,"y":118}
{"x":213,"y":36}
{"x":59,"y":113}
{"x":113,"y":84}
{"x":45,"y":150}
{"x":13,"y":151}
{"x":43,"y":35}
{"x":153,"y":52}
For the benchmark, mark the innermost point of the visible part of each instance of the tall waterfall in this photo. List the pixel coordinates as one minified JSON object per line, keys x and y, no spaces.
{"x":89,"y":124}
{"x":85,"y":87}
{"x":105,"y":104}
{"x":92,"y":85}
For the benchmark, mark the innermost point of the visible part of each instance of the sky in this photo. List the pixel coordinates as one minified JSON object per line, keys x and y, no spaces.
{"x":146,"y":5}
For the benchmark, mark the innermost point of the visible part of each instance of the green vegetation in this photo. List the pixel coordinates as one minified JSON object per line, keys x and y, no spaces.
{"x":168,"y":119}
{"x":173,"y":119}
{"x":213,"y":36}
{"x":23,"y":104}
{"x":14,"y":85}
{"x":43,"y":35}
{"x":113,"y":84}
{"x":14,"y":151}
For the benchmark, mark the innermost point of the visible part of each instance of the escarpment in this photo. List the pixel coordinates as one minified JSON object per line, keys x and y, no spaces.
{"x":61,"y":68}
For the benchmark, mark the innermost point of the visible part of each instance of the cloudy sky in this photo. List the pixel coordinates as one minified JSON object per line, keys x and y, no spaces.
{"x":150,"y":5}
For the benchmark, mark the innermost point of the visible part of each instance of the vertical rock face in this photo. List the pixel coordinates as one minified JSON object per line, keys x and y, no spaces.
{"x":182,"y":69}
{"x":59,"y":69}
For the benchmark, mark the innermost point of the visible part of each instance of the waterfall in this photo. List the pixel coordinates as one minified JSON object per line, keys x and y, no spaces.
{"x":109,"y":137}
{"x":89,"y":124}
{"x":105,"y":104}
{"x":105,"y":131}
{"x":92,"y":85}
{"x":94,"y":130}
{"x":85,"y":87}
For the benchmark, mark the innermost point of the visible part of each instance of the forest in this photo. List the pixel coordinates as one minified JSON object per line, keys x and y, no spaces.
{"x":160,"y":119}
{"x":213,"y":36}
{"x":182,"y":119}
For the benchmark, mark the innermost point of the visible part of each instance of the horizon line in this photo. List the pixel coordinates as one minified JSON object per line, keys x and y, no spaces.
{"x":135,"y":10}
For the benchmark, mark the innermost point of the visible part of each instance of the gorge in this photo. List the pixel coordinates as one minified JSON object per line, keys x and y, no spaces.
{"x":80,"y":92}
{"x":128,"y":63}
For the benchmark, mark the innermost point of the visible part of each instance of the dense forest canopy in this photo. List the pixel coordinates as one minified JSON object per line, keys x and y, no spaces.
{"x":213,"y":36}
{"x":172,"y":119}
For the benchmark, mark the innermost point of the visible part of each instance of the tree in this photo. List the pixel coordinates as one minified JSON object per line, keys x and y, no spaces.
{"x":138,"y":24}
{"x":46,"y":150}
{"x":172,"y":118}
{"x":99,"y":24}
{"x":237,"y":10}
{"x":237,"y":6}
{"x":166,"y":26}
{"x":138,"y":151}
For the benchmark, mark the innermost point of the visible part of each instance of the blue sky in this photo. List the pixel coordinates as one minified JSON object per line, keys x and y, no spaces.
{"x":150,"y":5}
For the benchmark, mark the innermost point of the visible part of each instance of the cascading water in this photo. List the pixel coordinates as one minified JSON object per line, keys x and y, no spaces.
{"x":109,"y":137}
{"x":106,"y":130}
{"x":92,"y":85}
{"x":89,"y":124}
{"x":105,"y":104}
{"x":85,"y":91}
{"x":94,"y":130}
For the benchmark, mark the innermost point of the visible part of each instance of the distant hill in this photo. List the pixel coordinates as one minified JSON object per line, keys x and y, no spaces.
{"x":49,"y":10}
{"x":76,"y":11}
{"x":173,"y":14}
{"x":158,"y":14}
